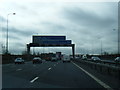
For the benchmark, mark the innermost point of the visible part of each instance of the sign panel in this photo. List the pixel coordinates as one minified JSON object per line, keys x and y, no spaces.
{"x":56,"y":40}
{"x":47,"y":38}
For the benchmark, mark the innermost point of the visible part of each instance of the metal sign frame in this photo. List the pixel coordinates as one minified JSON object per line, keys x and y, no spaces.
{"x":51,"y":45}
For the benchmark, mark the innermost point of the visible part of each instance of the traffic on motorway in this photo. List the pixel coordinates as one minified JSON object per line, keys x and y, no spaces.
{"x":53,"y":72}
{"x":68,"y":58}
{"x":98,"y":59}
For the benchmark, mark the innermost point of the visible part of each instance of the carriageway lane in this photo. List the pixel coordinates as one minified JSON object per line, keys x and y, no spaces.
{"x":47,"y":75}
{"x":22,"y":73}
{"x":69,"y":76}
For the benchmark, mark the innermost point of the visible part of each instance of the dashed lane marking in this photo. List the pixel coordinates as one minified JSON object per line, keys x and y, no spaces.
{"x":49,"y":68}
{"x":18,"y":69}
{"x":96,"y":79}
{"x":34,"y":79}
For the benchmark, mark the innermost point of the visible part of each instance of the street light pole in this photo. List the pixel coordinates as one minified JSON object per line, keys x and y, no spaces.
{"x":7,"y":33}
{"x":119,"y":27}
{"x":101,"y":47}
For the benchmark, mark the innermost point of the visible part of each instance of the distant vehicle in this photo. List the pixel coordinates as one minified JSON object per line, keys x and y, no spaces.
{"x":19,"y":61}
{"x":66,"y":58}
{"x":37,"y":60}
{"x":53,"y":59}
{"x":117,"y":59}
{"x":84,"y":57}
{"x":95,"y":58}
{"x":58,"y":55}
{"x":71,"y":57}
{"x":77,"y":58}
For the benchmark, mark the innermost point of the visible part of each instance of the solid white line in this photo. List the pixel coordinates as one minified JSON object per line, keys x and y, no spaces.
{"x":34,"y":79}
{"x":49,"y":68}
{"x":96,"y":79}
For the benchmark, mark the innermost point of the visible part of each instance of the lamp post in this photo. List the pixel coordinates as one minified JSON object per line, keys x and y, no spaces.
{"x":7,"y":33}
{"x":119,"y":27}
{"x":101,"y":45}
{"x":118,"y":39}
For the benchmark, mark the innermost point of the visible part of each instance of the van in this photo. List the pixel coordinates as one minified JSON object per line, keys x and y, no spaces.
{"x":66,"y":58}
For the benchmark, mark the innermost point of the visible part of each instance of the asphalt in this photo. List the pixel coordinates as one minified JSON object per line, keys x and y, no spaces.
{"x":46,"y":75}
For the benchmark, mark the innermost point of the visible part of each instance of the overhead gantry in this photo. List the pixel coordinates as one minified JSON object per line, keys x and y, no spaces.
{"x":51,"y":41}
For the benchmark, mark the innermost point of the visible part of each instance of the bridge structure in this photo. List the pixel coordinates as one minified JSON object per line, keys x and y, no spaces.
{"x":50,"y":41}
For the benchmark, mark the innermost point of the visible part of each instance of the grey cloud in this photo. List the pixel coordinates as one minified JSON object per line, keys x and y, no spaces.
{"x":87,"y":18}
{"x":18,"y":44}
{"x":2,"y":19}
{"x":20,"y":47}
{"x":26,"y":8}
{"x":19,"y":32}
{"x":12,"y":37}
{"x":53,"y":28}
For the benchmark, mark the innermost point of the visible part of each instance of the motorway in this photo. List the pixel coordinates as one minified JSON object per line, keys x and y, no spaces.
{"x":49,"y":75}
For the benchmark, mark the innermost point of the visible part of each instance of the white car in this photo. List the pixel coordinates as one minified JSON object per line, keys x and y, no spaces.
{"x":95,"y":58}
{"x":19,"y":61}
{"x":77,"y":58}
{"x":53,"y":59}
{"x":66,"y":58}
{"x":117,"y":59}
{"x":84,"y":57}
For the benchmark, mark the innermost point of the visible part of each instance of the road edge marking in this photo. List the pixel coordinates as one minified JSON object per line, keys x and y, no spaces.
{"x":34,"y":79}
{"x":93,"y":77}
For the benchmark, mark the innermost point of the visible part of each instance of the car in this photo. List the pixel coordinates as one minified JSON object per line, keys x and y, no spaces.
{"x":77,"y":58}
{"x":37,"y":60}
{"x":95,"y":58}
{"x":117,"y":59}
{"x":19,"y":61}
{"x":53,"y":59}
{"x":84,"y":57}
{"x":66,"y":58}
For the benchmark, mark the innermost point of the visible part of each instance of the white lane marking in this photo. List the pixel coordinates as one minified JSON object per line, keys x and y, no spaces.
{"x":96,"y":79}
{"x":49,"y":68}
{"x":34,"y":79}
{"x":54,"y":65}
{"x":18,"y":69}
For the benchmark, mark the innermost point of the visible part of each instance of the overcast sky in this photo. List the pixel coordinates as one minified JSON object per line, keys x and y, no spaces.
{"x":87,"y":24}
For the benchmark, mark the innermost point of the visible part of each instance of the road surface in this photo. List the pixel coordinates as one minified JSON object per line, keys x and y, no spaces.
{"x":49,"y":75}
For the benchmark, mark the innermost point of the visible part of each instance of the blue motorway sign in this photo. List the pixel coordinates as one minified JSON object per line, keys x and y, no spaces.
{"x":51,"y":40}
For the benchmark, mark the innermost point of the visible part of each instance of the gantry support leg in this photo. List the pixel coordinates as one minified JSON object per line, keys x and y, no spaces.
{"x":73,"y":51}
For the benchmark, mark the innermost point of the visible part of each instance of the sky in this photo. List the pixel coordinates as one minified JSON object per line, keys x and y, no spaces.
{"x":90,"y":25}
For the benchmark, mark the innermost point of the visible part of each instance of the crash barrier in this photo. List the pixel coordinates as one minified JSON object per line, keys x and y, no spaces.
{"x":106,"y":62}
{"x":103,"y":68}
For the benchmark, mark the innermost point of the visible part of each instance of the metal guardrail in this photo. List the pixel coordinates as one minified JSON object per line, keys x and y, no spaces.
{"x":106,"y":62}
{"x":101,"y":67}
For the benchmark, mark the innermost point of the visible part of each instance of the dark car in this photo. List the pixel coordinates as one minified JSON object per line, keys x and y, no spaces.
{"x":96,"y":59}
{"x":37,"y":60}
